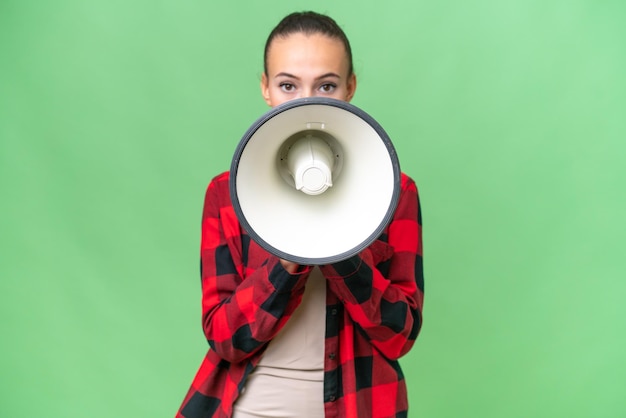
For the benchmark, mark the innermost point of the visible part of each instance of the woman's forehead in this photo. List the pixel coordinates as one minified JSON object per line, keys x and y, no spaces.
{"x":300,"y":51}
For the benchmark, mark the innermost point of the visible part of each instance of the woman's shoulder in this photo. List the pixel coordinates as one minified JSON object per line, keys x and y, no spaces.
{"x":219,"y":185}
{"x":406,"y":182}
{"x":221,"y":180}
{"x":222,"y":177}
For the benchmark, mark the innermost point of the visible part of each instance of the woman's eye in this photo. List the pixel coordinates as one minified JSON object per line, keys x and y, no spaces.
{"x":287,"y":87}
{"x":327,"y":88}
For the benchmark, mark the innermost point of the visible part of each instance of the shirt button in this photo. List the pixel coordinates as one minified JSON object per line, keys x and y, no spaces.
{"x":333,"y":311}
{"x":333,"y":398}
{"x":332,"y":356}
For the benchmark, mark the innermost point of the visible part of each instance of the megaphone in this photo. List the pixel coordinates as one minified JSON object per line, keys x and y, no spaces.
{"x":315,"y":180}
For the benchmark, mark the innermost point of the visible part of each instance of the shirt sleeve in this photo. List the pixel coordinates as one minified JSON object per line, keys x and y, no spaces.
{"x":382,"y":288}
{"x":240,"y":316}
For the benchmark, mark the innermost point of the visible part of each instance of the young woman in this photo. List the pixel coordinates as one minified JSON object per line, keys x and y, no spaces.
{"x":301,"y":341}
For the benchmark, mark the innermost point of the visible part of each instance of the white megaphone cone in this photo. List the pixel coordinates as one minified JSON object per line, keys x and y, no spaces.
{"x":315,"y":181}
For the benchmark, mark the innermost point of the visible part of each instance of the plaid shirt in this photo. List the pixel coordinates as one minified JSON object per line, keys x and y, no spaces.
{"x":373,"y":312}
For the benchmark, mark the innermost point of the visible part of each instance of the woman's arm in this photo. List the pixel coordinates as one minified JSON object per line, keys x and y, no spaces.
{"x":245,"y":300}
{"x":382,"y":288}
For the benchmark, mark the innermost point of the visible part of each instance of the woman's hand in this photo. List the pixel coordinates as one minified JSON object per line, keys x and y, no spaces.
{"x":290,"y":266}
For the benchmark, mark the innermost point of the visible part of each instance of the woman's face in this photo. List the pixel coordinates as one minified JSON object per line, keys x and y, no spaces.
{"x":302,"y":65}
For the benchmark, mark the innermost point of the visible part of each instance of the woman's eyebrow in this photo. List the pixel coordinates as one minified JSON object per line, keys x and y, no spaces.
{"x":289,"y":75}
{"x":327,"y":75}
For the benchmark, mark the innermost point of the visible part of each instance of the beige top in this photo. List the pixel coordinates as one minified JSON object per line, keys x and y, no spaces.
{"x":299,"y":346}
{"x":289,"y":379}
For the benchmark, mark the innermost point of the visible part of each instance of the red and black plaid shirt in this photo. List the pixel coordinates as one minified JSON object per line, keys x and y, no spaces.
{"x":373,"y":312}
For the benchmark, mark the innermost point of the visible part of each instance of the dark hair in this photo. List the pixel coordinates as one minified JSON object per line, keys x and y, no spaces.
{"x":309,"y":23}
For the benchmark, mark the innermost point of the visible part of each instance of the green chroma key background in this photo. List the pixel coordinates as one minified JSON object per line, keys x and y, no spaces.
{"x":510,"y":115}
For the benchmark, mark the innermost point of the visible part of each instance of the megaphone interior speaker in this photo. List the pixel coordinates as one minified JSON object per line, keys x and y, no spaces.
{"x":319,"y":227}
